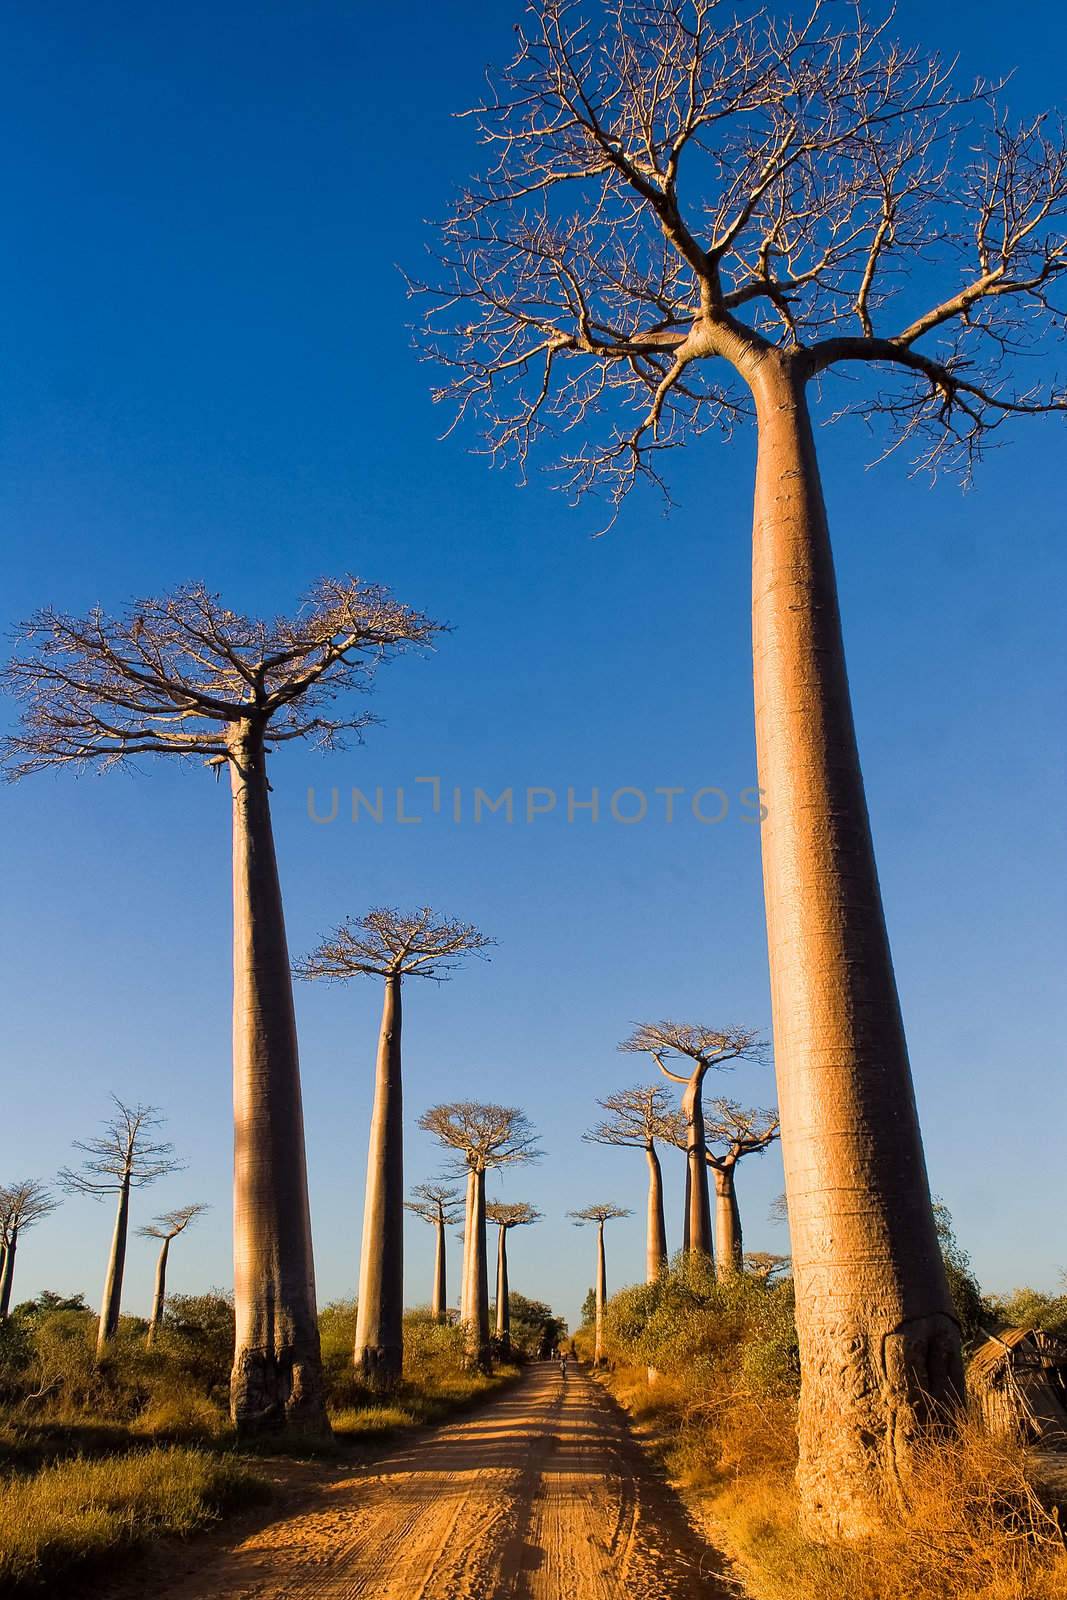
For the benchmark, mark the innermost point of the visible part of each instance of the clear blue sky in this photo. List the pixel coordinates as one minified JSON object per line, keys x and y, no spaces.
{"x":206,"y":373}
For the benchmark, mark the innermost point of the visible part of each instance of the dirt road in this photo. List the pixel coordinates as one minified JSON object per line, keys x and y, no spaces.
{"x":543,"y":1495}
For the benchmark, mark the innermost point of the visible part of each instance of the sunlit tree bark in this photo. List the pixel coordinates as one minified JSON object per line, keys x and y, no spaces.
{"x":635,"y":1119}
{"x":516,"y":1214}
{"x":166,"y":1228}
{"x":599,"y":1214}
{"x":438,"y":1204}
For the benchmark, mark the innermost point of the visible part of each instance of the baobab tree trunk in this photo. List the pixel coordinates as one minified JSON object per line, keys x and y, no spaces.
{"x":277,"y":1371}
{"x":468,"y":1235}
{"x":477,"y":1351}
{"x":439,"y":1304}
{"x":698,"y":1233}
{"x":380,"y":1311}
{"x":111,"y":1300}
{"x":729,"y":1252}
{"x":656,"y":1247}
{"x":503,"y":1312}
{"x":160,"y":1295}
{"x":7,"y":1274}
{"x":880,"y":1347}
{"x":601,"y":1296}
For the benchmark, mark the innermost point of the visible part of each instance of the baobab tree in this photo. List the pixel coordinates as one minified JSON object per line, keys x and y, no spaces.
{"x":600,"y":1215}
{"x":506,"y":1215}
{"x":21,"y":1206}
{"x":184,"y":676}
{"x":390,"y":945}
{"x":438,"y":1204}
{"x":741,"y":1132}
{"x":688,"y":219}
{"x":764,"y":1264}
{"x":166,"y":1228}
{"x":126,"y":1156}
{"x":636,"y":1119}
{"x":707,"y":1049}
{"x":483,"y":1138}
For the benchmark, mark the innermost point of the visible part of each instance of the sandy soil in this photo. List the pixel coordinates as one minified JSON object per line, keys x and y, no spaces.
{"x":542,"y":1495}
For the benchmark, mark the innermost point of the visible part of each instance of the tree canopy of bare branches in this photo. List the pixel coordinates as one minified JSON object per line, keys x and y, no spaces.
{"x":169,"y":1224}
{"x":600,"y":1213}
{"x":671,"y":189}
{"x":435,"y":1202}
{"x":706,"y":1047}
{"x":180,"y":674}
{"x":484,"y":1136}
{"x":511,"y":1213}
{"x":387,"y":943}
{"x":125,"y":1156}
{"x":637,"y":1117}
{"x":22,"y":1204}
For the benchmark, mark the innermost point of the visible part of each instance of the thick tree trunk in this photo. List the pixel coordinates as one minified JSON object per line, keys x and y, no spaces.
{"x":880,"y":1348}
{"x":729,"y":1252}
{"x":601,"y":1296}
{"x":697,"y":1193}
{"x":503,"y":1311}
{"x":379,"y":1351}
{"x":439,"y":1304}
{"x":111,"y":1300}
{"x":656,"y":1247}
{"x":160,"y":1295}
{"x":7,"y":1274}
{"x":477,"y":1351}
{"x":468,"y":1237}
{"x":277,"y":1372}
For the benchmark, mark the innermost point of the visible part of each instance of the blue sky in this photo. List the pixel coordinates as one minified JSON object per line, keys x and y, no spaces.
{"x":207,"y":374}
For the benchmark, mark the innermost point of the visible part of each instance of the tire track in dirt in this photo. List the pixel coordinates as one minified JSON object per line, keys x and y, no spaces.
{"x":544,"y":1494}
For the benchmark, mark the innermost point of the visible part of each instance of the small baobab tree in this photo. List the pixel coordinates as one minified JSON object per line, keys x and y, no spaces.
{"x":506,"y":1215}
{"x":691,"y":217}
{"x":765,"y":1265}
{"x":600,"y":1215}
{"x":126,"y":1156}
{"x":635,"y":1119}
{"x":185,"y":676}
{"x":706,"y":1049}
{"x":483,"y":1138}
{"x":22,"y":1205}
{"x":166,"y":1228}
{"x":737,"y":1131}
{"x":391,"y":945}
{"x":437,"y":1204}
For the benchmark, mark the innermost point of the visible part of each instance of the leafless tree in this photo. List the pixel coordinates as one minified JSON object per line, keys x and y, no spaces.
{"x":126,"y":1156}
{"x":506,"y":1215}
{"x":185,"y":676}
{"x":437,"y":1203}
{"x":739,"y":1131}
{"x":392,"y":945}
{"x":599,"y":1214}
{"x":690,"y":216}
{"x":763,"y":1264}
{"x":483,"y":1138}
{"x":22,"y":1205}
{"x":636,"y":1119}
{"x":706,"y":1049}
{"x":166,"y":1228}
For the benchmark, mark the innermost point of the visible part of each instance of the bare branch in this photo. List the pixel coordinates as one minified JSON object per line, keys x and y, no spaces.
{"x":169,"y":1224}
{"x":387,"y":942}
{"x":483,"y":1136}
{"x":124,"y":1154}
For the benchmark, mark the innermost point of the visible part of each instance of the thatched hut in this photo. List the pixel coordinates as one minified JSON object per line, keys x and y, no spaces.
{"x":1017,"y":1381}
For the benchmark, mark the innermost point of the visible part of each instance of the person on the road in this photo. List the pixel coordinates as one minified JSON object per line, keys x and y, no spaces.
{"x":564,"y":1357}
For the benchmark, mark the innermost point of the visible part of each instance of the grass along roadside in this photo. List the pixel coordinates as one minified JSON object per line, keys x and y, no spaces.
{"x":76,"y":1515}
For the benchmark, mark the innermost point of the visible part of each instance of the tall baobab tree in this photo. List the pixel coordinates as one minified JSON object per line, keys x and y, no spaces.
{"x":390,"y":945}
{"x":689,"y":218}
{"x":599,"y":1214}
{"x":741,"y":1132}
{"x":21,"y":1206}
{"x":166,"y":1228}
{"x":438,"y":1204}
{"x":185,"y":676}
{"x":126,"y":1156}
{"x":635,"y":1119}
{"x":506,"y":1215}
{"x":707,"y":1049}
{"x":483,"y":1138}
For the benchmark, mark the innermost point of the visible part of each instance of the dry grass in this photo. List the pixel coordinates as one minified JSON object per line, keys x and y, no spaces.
{"x":971,"y":1526}
{"x":79,"y":1513}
